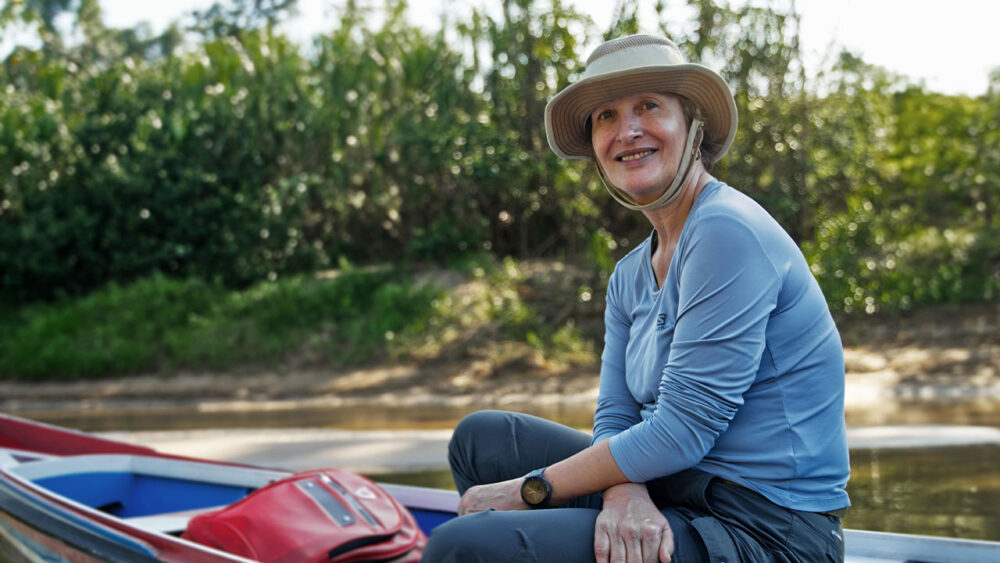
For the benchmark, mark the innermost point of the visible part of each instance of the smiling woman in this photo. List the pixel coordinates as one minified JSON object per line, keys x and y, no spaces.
{"x":719,"y":431}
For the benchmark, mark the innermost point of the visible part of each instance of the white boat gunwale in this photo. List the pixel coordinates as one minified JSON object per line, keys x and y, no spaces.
{"x":167,"y":468}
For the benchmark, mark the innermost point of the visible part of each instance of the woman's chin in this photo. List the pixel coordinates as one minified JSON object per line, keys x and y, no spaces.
{"x":642,"y":194}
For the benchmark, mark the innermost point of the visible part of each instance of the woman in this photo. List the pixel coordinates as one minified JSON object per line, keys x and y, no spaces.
{"x":719,"y":431}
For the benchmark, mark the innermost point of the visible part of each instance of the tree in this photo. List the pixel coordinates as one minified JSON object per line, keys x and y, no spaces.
{"x":232,"y":17}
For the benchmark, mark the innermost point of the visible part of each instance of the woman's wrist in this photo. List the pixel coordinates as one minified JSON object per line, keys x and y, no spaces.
{"x":624,"y":490}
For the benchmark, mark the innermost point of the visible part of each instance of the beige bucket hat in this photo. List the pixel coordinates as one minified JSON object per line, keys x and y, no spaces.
{"x":629,"y":65}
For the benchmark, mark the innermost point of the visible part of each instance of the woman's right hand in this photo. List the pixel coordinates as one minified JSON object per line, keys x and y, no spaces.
{"x":630,"y":528}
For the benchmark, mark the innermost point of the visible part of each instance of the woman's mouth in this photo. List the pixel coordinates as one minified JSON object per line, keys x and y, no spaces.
{"x":635,"y":155}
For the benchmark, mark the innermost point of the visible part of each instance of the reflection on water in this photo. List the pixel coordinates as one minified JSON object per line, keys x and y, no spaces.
{"x":434,"y":479}
{"x":953,"y":491}
{"x":423,"y":417}
{"x":981,"y":412}
{"x":950,"y":492}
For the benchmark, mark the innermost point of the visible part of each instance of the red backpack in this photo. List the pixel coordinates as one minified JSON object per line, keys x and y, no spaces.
{"x":327,"y":515}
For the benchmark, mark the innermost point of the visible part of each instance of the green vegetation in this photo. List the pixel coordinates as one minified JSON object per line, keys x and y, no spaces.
{"x":162,"y":324}
{"x":166,"y":200}
{"x":337,"y":319}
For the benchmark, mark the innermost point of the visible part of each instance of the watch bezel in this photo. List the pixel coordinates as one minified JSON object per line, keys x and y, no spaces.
{"x":530,"y":482}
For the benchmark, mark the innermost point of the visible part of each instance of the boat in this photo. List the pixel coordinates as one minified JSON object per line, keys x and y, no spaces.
{"x":67,"y":495}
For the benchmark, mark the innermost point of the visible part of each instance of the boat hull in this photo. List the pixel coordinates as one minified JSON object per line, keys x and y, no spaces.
{"x":71,"y":496}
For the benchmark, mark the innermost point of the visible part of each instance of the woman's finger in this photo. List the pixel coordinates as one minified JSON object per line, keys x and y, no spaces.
{"x":619,"y":552}
{"x":602,"y":545}
{"x":631,"y":542}
{"x":651,"y":535}
{"x":666,"y":544}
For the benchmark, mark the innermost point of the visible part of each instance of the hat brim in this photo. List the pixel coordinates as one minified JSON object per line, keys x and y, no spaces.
{"x":566,"y":114}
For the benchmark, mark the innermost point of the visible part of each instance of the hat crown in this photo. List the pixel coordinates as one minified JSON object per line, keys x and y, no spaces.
{"x":631,"y":52}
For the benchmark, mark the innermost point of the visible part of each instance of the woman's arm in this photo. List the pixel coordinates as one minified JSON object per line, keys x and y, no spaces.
{"x":617,"y":409}
{"x":629,"y":528}
{"x":590,"y":471}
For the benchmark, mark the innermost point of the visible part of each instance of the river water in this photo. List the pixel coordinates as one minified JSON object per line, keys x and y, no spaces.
{"x":943,"y":491}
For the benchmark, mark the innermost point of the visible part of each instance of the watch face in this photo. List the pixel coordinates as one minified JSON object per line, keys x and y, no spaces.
{"x":534,"y":491}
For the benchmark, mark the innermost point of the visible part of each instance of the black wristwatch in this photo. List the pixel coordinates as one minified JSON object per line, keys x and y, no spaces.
{"x":535,"y":490}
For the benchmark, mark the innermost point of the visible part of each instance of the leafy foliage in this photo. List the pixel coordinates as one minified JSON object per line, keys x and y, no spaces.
{"x":242,"y":156}
{"x":124,"y":167}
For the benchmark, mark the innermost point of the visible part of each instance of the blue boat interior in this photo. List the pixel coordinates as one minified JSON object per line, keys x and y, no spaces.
{"x":130,"y":495}
{"x":430,"y":519}
{"x":163,"y":494}
{"x":127,"y":494}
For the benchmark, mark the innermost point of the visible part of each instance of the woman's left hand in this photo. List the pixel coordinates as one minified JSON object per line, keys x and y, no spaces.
{"x":505,"y":495}
{"x":631,"y":528}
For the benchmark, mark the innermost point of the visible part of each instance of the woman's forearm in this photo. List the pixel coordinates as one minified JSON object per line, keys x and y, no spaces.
{"x":590,"y":471}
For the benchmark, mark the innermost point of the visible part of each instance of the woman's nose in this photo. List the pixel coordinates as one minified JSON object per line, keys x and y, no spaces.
{"x":629,"y":130}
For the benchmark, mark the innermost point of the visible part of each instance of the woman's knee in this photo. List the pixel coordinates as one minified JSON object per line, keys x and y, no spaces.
{"x":480,"y":429}
{"x":491,"y":446}
{"x":480,"y":424}
{"x":478,"y":441}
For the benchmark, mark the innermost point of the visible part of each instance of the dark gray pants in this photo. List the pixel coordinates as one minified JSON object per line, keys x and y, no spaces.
{"x":711,"y":520}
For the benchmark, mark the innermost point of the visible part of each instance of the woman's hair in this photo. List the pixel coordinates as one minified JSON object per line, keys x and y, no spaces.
{"x":709,"y":149}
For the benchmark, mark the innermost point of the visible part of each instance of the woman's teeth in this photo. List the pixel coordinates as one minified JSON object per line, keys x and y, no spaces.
{"x":636,"y":156}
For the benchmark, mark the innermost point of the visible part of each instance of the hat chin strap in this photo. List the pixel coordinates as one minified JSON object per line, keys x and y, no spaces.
{"x":691,"y":154}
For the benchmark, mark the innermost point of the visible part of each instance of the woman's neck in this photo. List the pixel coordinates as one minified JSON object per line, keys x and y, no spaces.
{"x":668,"y":222}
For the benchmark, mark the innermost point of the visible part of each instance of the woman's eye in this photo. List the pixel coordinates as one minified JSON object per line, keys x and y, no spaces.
{"x":649,"y":105}
{"x":606,"y":114}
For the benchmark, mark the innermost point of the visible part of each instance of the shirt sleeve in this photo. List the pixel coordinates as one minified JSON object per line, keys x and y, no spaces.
{"x":617,"y":410}
{"x":727,"y":288}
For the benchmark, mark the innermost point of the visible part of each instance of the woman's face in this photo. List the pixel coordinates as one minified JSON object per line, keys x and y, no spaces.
{"x":638,"y":141}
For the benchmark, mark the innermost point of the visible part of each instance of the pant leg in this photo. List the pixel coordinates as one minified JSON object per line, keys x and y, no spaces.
{"x":492,"y":446}
{"x":710,"y":519}
{"x":542,"y":536}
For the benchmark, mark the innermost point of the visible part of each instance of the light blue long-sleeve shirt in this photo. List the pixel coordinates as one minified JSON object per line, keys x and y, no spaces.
{"x":733,"y":367}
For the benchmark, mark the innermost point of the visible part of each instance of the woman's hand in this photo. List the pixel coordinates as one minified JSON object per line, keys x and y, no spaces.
{"x":505,"y":495}
{"x":630,"y":528}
